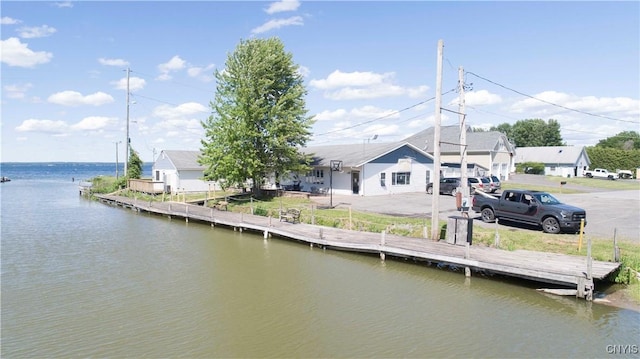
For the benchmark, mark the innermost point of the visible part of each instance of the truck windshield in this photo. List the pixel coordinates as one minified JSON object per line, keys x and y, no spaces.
{"x":546,"y":198}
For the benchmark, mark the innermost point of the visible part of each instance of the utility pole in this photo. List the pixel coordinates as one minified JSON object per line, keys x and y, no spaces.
{"x":435,"y":204}
{"x":117,"y":159}
{"x":463,"y":136}
{"x":126,"y":154}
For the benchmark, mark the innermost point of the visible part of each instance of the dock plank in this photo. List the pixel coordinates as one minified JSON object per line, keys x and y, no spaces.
{"x":546,"y":267}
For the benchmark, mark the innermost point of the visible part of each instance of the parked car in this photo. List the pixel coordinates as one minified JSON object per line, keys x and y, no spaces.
{"x":480,"y":184}
{"x":450,"y":185}
{"x":494,"y":183}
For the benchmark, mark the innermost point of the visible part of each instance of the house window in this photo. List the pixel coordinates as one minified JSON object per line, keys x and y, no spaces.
{"x":383,"y":179}
{"x":553,"y":168}
{"x":157,"y":175}
{"x":315,"y":176}
{"x":400,"y":178}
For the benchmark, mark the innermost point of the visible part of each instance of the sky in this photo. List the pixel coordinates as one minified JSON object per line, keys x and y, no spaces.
{"x":369,"y":67}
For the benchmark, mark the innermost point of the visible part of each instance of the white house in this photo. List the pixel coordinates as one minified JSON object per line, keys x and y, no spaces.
{"x":180,"y":172}
{"x":564,"y":161}
{"x":368,"y":169}
{"x":486,"y":150}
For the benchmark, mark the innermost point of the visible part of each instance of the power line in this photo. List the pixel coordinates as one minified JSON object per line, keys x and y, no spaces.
{"x":381,"y":117}
{"x":548,"y":102}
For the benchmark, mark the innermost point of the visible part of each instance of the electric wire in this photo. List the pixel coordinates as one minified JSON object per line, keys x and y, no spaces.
{"x":550,"y":103}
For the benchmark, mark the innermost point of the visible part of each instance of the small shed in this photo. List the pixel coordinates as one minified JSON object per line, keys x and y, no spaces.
{"x":180,"y":172}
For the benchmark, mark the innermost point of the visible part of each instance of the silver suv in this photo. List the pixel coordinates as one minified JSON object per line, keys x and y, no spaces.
{"x":494,"y":183}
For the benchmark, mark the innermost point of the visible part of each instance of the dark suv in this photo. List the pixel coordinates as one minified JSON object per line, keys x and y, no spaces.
{"x":450,"y":185}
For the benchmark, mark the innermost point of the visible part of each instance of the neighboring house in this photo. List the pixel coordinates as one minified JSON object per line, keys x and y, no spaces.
{"x":180,"y":172}
{"x":368,"y":169}
{"x":488,"y":150}
{"x":564,"y":161}
{"x":451,"y":169}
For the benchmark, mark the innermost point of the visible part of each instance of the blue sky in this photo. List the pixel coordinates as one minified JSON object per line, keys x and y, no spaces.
{"x":369,"y":68}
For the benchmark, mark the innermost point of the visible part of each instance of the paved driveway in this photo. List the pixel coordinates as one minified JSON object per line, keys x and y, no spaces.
{"x":606,"y":211}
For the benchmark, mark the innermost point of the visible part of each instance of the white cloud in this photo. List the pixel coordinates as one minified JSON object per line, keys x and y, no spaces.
{"x":364,"y":85}
{"x":15,"y":53}
{"x":94,"y":123}
{"x":278,"y":23}
{"x":204,"y":74}
{"x":304,"y":71}
{"x":479,"y":98}
{"x":36,"y":32}
{"x":73,"y":98}
{"x":113,"y":62}
{"x":45,"y":126}
{"x":357,"y":114}
{"x":339,"y":79}
{"x":16,"y":91}
{"x":616,"y":107}
{"x":64,"y":4}
{"x":135,"y":84}
{"x":282,"y":5}
{"x":181,"y":111}
{"x":173,"y":65}
{"x":5,"y":20}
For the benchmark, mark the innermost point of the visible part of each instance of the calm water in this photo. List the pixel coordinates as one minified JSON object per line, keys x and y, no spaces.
{"x":82,"y":279}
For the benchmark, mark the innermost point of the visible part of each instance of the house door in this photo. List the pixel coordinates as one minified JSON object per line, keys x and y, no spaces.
{"x":355,"y":182}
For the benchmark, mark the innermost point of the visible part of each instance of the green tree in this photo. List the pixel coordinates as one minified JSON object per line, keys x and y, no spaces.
{"x":259,"y":117}
{"x":626,"y":140}
{"x":505,"y":128}
{"x":134,"y":166}
{"x":533,"y":133}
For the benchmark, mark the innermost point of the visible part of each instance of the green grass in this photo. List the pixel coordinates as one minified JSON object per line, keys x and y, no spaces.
{"x":598,"y":183}
{"x":549,"y":189}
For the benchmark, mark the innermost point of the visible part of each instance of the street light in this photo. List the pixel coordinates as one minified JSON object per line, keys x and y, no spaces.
{"x":117,"y":158}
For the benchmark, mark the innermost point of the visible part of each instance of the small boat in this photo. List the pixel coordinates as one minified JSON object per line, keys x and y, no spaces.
{"x":5,"y":179}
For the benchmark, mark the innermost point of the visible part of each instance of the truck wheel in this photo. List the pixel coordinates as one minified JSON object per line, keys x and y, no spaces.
{"x":454,"y":191}
{"x":430,"y":190}
{"x":589,"y":175}
{"x":487,"y":215}
{"x":551,"y":225}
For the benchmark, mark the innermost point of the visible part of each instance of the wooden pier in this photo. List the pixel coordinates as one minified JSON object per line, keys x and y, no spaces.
{"x":565,"y":270}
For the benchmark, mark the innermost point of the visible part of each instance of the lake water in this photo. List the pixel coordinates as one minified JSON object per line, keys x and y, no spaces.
{"x":83,"y":279}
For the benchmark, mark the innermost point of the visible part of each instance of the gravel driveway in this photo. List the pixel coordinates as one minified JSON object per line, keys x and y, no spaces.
{"x":606,"y":210}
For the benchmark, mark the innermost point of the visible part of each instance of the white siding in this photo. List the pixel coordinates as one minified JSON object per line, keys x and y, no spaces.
{"x":372,"y":186}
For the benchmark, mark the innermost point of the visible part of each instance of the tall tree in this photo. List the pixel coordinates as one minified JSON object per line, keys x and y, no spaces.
{"x":259,"y":117}
{"x":532,"y":132}
{"x":134,"y":166}
{"x":625,"y":140}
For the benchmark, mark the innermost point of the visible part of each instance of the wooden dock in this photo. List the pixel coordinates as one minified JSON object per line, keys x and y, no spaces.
{"x":570,"y":271}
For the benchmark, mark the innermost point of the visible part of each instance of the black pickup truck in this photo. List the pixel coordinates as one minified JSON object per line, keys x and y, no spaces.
{"x":534,"y":207}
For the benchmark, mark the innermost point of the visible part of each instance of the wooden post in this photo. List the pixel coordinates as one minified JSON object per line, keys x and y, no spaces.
{"x":251,"y":204}
{"x":350,"y":227}
{"x":313,"y":215}
{"x":581,"y":234}
{"x":266,"y":234}
{"x":616,"y":250}
{"x":383,"y":240}
{"x":320,"y":234}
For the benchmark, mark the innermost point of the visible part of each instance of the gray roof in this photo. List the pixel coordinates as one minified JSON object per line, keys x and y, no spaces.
{"x":450,"y":138}
{"x":184,"y":160}
{"x":551,"y":154}
{"x":353,"y":155}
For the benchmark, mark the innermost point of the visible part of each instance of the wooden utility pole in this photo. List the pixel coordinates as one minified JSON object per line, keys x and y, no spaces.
{"x":463,"y":135}
{"x":126,"y":154}
{"x":435,"y":204}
